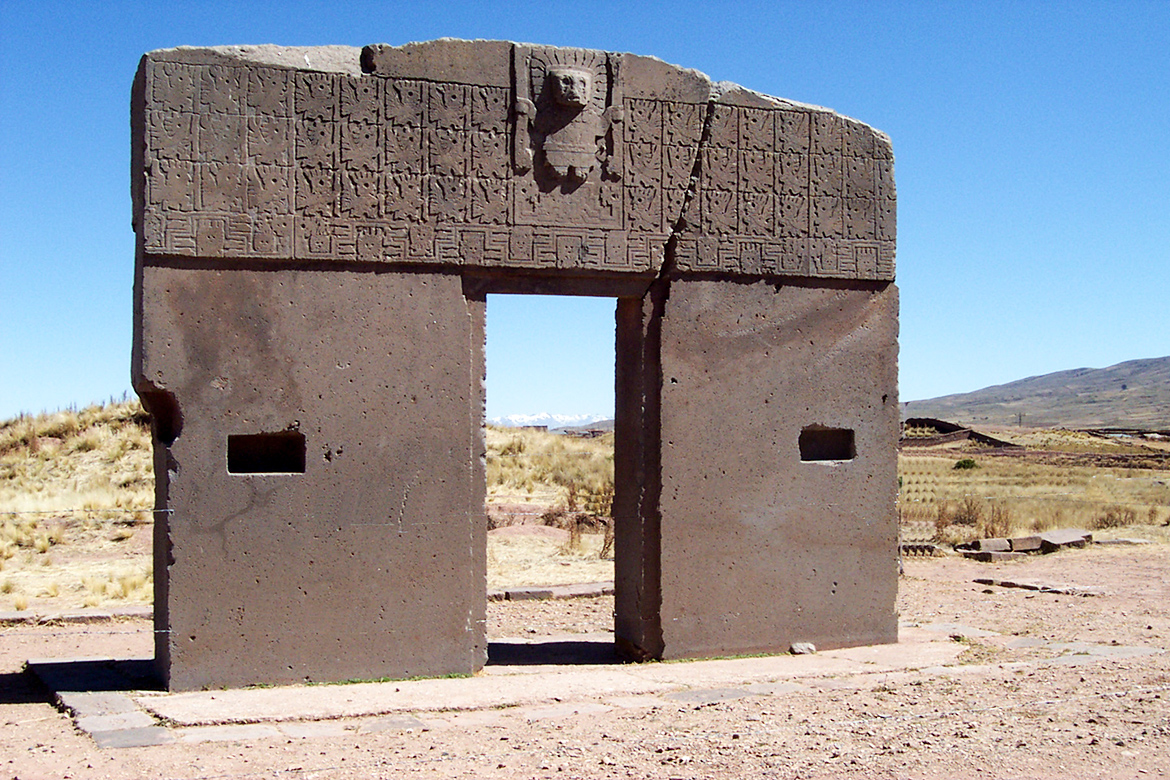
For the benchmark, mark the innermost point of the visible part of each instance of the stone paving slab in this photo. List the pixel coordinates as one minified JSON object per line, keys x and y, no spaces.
{"x":709,"y":695}
{"x":136,"y":719}
{"x":391,"y":723}
{"x":316,"y":729}
{"x":229,"y":733}
{"x":319,"y":702}
{"x":126,"y":738}
{"x":953,"y":629}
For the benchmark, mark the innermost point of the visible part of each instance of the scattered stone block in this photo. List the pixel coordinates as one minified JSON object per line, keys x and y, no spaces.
{"x":992,"y":545}
{"x":928,"y":549}
{"x":1051,"y":541}
{"x":582,"y":590}
{"x":529,"y":594}
{"x":1044,"y":587}
{"x":1121,"y":542}
{"x":802,"y":648}
{"x":993,"y":557}
{"x":1025,"y":544}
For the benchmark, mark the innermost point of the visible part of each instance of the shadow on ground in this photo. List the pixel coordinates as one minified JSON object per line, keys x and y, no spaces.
{"x":98,"y":674}
{"x":597,"y":651}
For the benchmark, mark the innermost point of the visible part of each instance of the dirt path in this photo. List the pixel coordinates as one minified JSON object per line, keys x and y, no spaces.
{"x":1024,"y":701}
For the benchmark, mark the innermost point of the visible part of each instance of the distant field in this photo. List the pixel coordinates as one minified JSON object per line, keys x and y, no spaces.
{"x":1062,"y":479}
{"x":76,"y":490}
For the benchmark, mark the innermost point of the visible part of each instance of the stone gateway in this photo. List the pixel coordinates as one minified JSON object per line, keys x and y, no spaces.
{"x":317,"y":232}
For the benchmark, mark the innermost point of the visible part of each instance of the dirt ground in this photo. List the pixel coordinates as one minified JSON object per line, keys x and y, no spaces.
{"x":1016,"y":705}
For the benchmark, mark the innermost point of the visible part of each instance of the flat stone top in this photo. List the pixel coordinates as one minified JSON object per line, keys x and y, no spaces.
{"x":490,"y":154}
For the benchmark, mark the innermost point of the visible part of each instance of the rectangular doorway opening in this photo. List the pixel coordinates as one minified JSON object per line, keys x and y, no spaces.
{"x":550,"y":436}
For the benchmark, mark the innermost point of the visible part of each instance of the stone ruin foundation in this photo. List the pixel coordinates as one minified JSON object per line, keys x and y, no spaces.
{"x":317,"y":232}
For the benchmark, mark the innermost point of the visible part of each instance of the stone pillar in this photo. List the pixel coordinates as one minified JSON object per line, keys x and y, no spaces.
{"x":778,"y":478}
{"x":637,"y":483}
{"x":319,"y":464}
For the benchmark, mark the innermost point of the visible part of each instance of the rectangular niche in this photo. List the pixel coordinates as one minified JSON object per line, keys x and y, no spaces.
{"x":818,"y":443}
{"x":266,"y":453}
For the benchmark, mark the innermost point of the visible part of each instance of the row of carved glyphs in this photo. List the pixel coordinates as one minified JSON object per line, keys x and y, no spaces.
{"x":244,"y":235}
{"x":263,"y":141}
{"x":793,"y":174}
{"x":846,"y":259}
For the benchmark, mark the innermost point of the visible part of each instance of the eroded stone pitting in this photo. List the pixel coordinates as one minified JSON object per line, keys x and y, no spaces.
{"x":317,"y":233}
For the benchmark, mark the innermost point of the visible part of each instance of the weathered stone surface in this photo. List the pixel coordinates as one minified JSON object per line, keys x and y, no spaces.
{"x":760,"y":543}
{"x":317,"y":234}
{"x":370,"y":561}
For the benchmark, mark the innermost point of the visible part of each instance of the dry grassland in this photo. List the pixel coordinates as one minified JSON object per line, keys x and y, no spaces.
{"x":1064,"y":479}
{"x":76,"y":491}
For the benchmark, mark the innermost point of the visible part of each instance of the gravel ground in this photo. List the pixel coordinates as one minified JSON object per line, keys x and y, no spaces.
{"x":1005,"y":711}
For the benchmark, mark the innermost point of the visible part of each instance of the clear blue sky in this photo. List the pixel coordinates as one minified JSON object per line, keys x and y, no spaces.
{"x":1033,"y":167}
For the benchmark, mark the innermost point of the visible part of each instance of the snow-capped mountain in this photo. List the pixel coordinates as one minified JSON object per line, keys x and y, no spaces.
{"x":550,"y":420}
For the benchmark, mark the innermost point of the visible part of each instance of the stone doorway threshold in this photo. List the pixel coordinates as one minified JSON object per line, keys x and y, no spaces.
{"x":112,"y":700}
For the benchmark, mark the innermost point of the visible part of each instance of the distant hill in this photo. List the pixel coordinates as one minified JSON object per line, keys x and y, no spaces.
{"x":1134,"y":394}
{"x":596,"y":425}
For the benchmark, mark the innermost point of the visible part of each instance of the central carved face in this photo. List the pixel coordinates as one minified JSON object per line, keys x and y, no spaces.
{"x":571,"y":86}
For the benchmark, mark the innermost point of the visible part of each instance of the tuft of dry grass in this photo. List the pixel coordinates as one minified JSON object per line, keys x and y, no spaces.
{"x":1115,"y":517}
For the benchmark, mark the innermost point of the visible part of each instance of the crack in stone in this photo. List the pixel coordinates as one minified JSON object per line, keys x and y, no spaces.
{"x":676,"y":227}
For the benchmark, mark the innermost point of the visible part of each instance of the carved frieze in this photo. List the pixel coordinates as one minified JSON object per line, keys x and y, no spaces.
{"x":557,"y":169}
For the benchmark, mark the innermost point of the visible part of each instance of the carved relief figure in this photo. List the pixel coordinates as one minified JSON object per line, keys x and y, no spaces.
{"x":565,"y":115}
